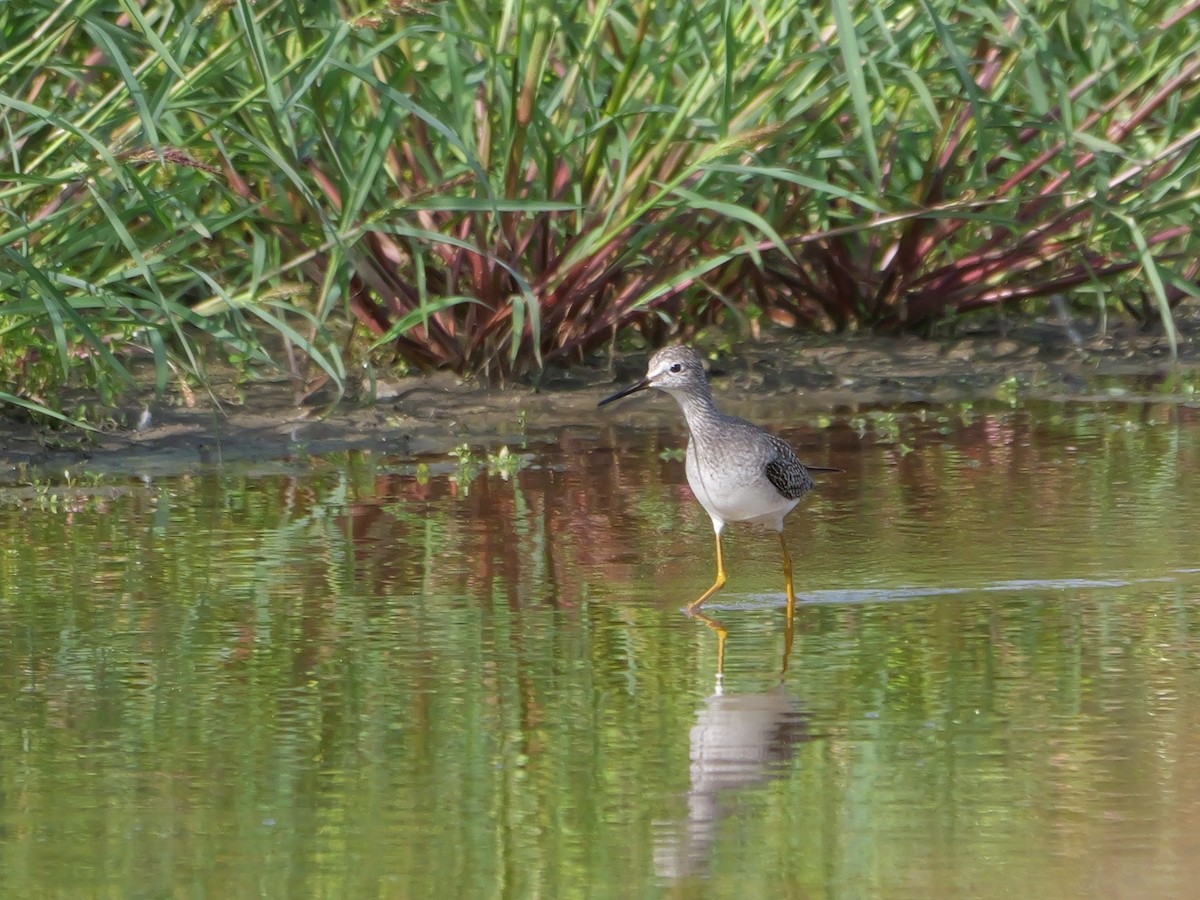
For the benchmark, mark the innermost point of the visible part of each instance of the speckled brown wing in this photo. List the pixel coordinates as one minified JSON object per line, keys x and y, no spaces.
{"x":785,"y":471}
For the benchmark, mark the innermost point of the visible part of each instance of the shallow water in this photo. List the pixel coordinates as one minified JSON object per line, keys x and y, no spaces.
{"x":371,"y":676}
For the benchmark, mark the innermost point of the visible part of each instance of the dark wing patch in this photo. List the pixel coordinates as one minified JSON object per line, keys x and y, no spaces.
{"x":787,"y":473}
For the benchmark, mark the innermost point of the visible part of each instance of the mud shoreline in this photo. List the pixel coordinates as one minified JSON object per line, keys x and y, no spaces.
{"x":781,"y":379}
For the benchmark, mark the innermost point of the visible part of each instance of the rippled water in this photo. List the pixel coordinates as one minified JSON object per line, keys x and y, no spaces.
{"x":370,"y":676}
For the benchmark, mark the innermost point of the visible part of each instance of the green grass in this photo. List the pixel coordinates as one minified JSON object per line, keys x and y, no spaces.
{"x":488,"y":187}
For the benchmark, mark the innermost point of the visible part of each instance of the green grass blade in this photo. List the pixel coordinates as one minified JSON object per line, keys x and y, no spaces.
{"x":843,"y":14}
{"x":1150,"y":268}
{"x":419,"y":316}
{"x":43,"y":410}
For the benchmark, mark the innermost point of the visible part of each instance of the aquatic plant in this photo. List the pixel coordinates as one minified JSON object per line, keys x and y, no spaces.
{"x":490,"y":187}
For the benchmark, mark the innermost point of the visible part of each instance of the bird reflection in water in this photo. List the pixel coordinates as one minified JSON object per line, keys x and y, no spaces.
{"x":722,"y":633}
{"x":740,"y":741}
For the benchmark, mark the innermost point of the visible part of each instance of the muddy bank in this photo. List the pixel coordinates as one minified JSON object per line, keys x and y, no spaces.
{"x":779,"y":380}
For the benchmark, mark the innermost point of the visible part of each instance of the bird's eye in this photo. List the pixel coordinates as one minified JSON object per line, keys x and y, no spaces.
{"x":676,"y":368}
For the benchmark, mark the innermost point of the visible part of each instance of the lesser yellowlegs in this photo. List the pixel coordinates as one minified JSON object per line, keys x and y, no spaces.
{"x":738,"y":471}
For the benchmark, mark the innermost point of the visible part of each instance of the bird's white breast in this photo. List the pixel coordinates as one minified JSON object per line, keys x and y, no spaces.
{"x":736,"y":493}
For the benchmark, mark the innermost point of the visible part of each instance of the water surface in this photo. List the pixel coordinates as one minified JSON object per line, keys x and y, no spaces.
{"x":373,"y":676}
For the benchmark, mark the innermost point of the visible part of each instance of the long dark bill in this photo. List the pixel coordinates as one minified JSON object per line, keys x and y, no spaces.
{"x":632,"y":389}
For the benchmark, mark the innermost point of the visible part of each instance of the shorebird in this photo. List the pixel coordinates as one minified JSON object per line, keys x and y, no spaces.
{"x":738,"y":471}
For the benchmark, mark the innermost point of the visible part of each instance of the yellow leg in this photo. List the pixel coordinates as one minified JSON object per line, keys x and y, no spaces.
{"x":718,"y":584}
{"x":789,"y":628}
{"x":787,"y":574}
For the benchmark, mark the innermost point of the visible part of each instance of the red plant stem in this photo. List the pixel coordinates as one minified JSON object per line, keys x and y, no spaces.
{"x":1179,"y":15}
{"x":1115,"y":133}
{"x":936,"y":296}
